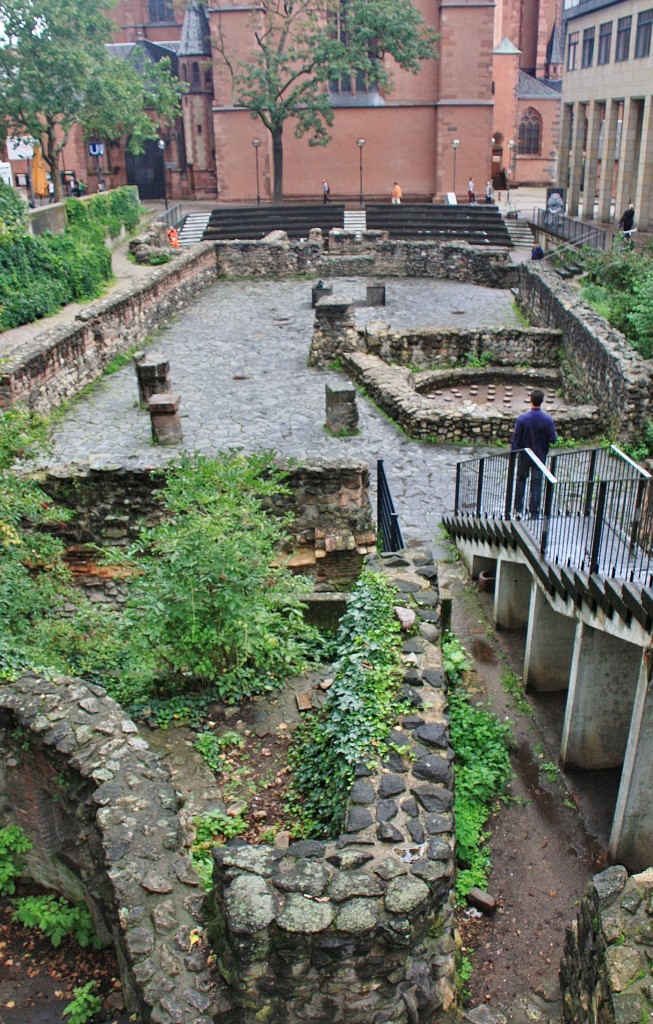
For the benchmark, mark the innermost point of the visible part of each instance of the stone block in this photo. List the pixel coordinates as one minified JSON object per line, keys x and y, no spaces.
{"x":320,"y":291}
{"x":164,"y":417}
{"x":341,"y":409}
{"x":375,"y":295}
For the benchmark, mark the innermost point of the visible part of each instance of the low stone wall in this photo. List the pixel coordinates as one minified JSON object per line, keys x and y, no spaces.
{"x":60,"y":361}
{"x":607,"y":368}
{"x":442,"y":346}
{"x":357,"y":930}
{"x":606,"y":969}
{"x":101,"y":813}
{"x":397,"y":392}
{"x":452,"y":261}
{"x":333,"y":528}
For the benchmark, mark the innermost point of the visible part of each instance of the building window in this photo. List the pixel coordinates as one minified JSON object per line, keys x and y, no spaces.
{"x":588,"y":48}
{"x":622,"y":47}
{"x":356,"y":84}
{"x":572,"y":47}
{"x":161,"y":10}
{"x":208,"y":76}
{"x":605,"y":43}
{"x":195,"y":74}
{"x":643,"y":35}
{"x":530,"y":134}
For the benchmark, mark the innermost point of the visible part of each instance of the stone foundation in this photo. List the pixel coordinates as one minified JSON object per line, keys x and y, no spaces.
{"x":357,"y":930}
{"x":333,"y":528}
{"x":606,"y":968}
{"x":606,"y":368}
{"x":60,"y":361}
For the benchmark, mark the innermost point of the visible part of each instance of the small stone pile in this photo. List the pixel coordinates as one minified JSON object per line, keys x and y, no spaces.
{"x":151,"y":243}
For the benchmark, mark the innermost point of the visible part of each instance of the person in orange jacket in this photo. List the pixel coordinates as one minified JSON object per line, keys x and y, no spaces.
{"x":396,"y":194}
{"x":173,"y":238}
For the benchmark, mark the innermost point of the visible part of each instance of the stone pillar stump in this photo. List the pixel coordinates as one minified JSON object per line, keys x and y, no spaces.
{"x":319,"y":291}
{"x":164,"y":415}
{"x":153,"y":378}
{"x":341,"y":409}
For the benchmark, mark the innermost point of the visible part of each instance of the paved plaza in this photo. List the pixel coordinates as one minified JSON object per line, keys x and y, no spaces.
{"x":238,"y":358}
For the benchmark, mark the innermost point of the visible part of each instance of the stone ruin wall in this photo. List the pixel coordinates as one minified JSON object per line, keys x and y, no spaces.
{"x":61,"y":360}
{"x":600,"y":362}
{"x":606,"y":971}
{"x":370,"y":356}
{"x":450,"y":261}
{"x":102,"y":815}
{"x":359,"y":929}
{"x":332,"y":532}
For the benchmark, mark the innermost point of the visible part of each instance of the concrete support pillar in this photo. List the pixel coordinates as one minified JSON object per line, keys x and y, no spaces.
{"x":594,"y":118}
{"x":512,"y":594}
{"x":576,"y":159}
{"x":565,"y":145}
{"x":628,"y":156}
{"x":602,"y":686}
{"x":607,"y":159}
{"x":643,"y":197}
{"x":631,"y":839}
{"x":549,"y":646}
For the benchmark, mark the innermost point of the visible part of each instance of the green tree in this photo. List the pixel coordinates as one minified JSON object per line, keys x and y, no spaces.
{"x":299,"y":45}
{"x":53,"y":62}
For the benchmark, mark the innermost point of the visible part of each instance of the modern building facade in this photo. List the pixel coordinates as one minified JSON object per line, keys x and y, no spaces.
{"x":606,"y":153}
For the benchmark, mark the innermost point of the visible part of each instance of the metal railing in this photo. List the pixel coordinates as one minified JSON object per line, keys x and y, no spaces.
{"x":570,"y":230}
{"x":388,"y":528}
{"x":173,"y":217}
{"x":591,"y":510}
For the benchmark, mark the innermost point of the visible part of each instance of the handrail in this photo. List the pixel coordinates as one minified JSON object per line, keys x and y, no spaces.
{"x":560,"y":226}
{"x":631,"y":462}
{"x":388,"y":527}
{"x":540,"y":465}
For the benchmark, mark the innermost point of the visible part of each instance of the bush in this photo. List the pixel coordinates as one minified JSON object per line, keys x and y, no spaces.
{"x":211,"y":603}
{"x":358,"y":714}
{"x":13,"y":843}
{"x":56,"y":919}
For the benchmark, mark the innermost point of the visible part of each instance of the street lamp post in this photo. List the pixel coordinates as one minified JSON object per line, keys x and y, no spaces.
{"x":256,"y":143}
{"x":511,"y":147}
{"x":360,"y":143}
{"x":161,"y":144}
{"x":454,"y":145}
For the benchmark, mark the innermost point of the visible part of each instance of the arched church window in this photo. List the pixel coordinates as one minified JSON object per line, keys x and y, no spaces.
{"x":530,"y":134}
{"x":184,"y":73}
{"x":195,"y":73}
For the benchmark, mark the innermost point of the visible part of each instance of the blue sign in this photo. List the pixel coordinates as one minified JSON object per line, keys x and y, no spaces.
{"x":96,"y":148}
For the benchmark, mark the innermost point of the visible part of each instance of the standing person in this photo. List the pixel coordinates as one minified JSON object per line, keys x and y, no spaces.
{"x":470,"y":191}
{"x":326,"y":191}
{"x":50,"y":191}
{"x":396,"y":194}
{"x":488,"y":193}
{"x":536,"y":430}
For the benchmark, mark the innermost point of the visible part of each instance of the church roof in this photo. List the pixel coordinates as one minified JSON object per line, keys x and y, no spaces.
{"x":554,"y":51}
{"x":195,"y":32}
{"x":143,"y":50}
{"x":529,"y":88}
{"x":505,"y":46}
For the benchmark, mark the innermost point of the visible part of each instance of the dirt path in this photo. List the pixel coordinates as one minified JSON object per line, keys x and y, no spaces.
{"x":541,"y":855}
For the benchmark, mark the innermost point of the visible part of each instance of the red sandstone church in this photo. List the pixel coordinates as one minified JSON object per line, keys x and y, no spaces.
{"x":496,"y":82}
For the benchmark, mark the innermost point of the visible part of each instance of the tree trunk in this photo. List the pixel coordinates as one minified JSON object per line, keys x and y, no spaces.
{"x":52,"y":160}
{"x":277,"y":163}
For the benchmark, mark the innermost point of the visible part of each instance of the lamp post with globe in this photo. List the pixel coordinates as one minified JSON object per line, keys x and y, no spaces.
{"x":161,"y":144}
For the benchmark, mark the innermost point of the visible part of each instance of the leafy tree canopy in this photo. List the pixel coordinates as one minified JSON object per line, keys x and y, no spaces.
{"x":55,"y":72}
{"x":299,"y":45}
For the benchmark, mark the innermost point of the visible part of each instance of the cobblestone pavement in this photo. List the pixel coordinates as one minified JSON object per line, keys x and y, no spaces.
{"x":238,"y":359}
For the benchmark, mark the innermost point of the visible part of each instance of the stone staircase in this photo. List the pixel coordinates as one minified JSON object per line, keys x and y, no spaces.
{"x":355,"y":220}
{"x":478,"y":225}
{"x":193,"y":229}
{"x":520,"y":233}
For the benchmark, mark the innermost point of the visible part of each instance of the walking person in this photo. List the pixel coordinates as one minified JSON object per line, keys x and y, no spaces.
{"x":488,"y":193}
{"x":396,"y":194}
{"x":326,"y":192}
{"x":536,"y":430}
{"x":50,"y":191}
{"x":470,"y":191}
{"x":627,"y":223}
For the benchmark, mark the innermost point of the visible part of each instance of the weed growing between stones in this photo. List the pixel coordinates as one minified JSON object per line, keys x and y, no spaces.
{"x":482,"y":769}
{"x":513,"y":685}
{"x":13,"y":843}
{"x":211,"y":830}
{"x":354,"y":723}
{"x":85,"y":1004}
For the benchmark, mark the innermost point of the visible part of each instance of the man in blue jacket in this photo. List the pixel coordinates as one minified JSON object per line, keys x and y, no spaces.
{"x":535,"y":430}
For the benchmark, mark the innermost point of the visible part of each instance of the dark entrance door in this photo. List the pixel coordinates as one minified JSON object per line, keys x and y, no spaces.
{"x":146,"y":171}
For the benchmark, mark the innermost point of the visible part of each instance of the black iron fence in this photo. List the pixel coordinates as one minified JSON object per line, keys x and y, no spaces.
{"x":577,"y":232}
{"x":591,"y":509}
{"x":389,"y":530}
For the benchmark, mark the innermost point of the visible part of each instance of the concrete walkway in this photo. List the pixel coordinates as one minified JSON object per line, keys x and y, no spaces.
{"x":238,"y":359}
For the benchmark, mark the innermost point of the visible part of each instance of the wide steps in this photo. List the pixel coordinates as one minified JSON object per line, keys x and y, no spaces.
{"x":193,"y":229}
{"x":251,"y":223}
{"x":478,"y":225}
